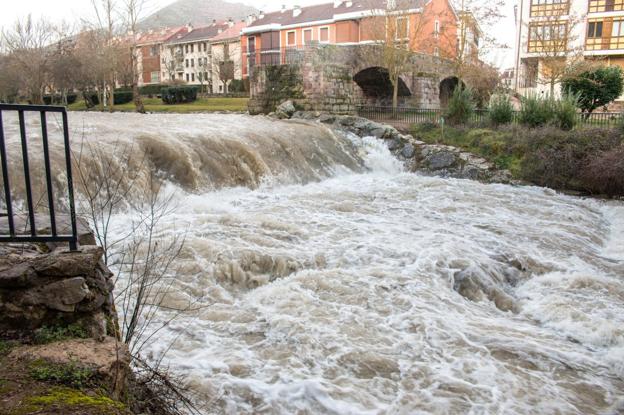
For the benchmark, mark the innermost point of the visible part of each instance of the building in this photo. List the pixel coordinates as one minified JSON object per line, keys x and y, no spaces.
{"x":189,"y":58}
{"x":427,"y":26}
{"x":227,"y":57}
{"x":551,"y":34}
{"x":150,"y":48}
{"x":508,"y":77}
{"x":209,"y":57}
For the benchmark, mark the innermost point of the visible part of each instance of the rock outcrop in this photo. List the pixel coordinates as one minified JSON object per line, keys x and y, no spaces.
{"x":55,"y":288}
{"x":432,"y":159}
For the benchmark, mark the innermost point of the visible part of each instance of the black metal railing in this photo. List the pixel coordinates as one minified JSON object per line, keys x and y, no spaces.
{"x":33,"y":235}
{"x":410,"y":115}
{"x":288,"y":55}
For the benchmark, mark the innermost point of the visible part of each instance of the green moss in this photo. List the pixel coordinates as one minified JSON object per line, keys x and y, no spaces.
{"x":6,"y":347}
{"x":46,"y":335}
{"x":65,"y":374}
{"x":73,"y":397}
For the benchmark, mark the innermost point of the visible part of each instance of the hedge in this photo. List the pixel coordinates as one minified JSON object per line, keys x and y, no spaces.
{"x":152,"y":89}
{"x":58,"y":99}
{"x":179,"y":94}
{"x":122,"y":97}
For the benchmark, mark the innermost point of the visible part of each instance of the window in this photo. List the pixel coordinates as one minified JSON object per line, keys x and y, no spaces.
{"x":187,"y":77}
{"x":594,"y":29}
{"x":307,"y":36}
{"x":187,"y":63}
{"x":597,"y":6}
{"x":548,"y":37}
{"x":206,"y":75}
{"x":192,"y":63}
{"x":291,"y":38}
{"x":220,"y":88}
{"x":436,"y":29}
{"x":193,"y":77}
{"x":205,"y":61}
{"x":186,"y":48}
{"x":324,"y":34}
{"x":155,"y":77}
{"x":550,"y":7}
{"x":402,"y":28}
{"x":154,"y":51}
{"x":205,"y":47}
{"x":192,"y":48}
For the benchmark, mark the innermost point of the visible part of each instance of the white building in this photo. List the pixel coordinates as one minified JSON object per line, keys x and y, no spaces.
{"x":195,"y":59}
{"x":593,"y":29}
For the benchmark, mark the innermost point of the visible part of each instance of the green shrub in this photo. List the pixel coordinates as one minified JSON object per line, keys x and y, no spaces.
{"x":565,"y":112}
{"x":595,"y":88}
{"x":70,"y":374}
{"x":47,"y":335}
{"x":461,"y":106}
{"x":501,"y":110}
{"x":179,"y":94}
{"x":58,"y":99}
{"x":236,"y":86}
{"x":536,"y":111}
{"x":152,"y":90}
{"x":122,"y":97}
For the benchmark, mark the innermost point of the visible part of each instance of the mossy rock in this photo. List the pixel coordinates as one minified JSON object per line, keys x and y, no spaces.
{"x":67,"y":400}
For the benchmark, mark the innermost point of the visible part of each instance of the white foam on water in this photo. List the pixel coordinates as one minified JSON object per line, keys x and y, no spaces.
{"x":344,"y":285}
{"x":351,"y":296}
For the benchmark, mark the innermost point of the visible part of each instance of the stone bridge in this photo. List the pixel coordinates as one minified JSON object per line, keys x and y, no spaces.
{"x":339,"y":78}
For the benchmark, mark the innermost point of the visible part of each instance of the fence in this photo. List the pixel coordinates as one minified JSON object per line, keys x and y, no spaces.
{"x":408,"y":115}
{"x":33,"y":236}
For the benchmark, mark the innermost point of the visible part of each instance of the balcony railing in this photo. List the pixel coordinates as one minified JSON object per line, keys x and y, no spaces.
{"x":289,"y":55}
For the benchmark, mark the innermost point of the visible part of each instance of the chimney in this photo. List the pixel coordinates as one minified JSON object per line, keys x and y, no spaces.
{"x":348,"y":3}
{"x":283,"y":8}
{"x":189,"y":27}
{"x":230,"y":22}
{"x":337,"y":3}
{"x":296,"y":11}
{"x":214,"y":22}
{"x":250,"y":19}
{"x":260,"y":14}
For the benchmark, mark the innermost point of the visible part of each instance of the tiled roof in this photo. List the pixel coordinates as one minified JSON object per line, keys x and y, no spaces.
{"x":202,"y":33}
{"x":232,"y":32}
{"x":160,"y":36}
{"x":325,"y":11}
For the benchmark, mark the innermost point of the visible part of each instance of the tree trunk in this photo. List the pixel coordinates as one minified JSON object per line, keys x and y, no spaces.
{"x":395,"y":92}
{"x":552,"y":87}
{"x":138,"y":102}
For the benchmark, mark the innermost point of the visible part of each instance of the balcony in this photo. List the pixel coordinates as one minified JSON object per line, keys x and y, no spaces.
{"x":290,"y":55}
{"x":601,"y":6}
{"x":540,"y":8}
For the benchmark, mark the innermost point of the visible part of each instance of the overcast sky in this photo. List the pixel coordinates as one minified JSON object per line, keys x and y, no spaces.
{"x":73,"y":11}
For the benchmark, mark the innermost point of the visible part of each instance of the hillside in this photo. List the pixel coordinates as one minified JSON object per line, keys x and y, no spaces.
{"x":197,"y":12}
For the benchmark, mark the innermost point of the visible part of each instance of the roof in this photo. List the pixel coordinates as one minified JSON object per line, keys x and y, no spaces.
{"x":230,"y":33}
{"x":160,"y":36}
{"x":326,"y":11}
{"x":202,"y":33}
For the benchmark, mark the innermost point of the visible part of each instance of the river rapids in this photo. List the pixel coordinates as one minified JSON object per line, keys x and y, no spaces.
{"x":331,"y":281}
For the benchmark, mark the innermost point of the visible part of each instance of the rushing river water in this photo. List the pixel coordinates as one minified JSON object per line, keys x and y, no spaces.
{"x":333,"y":282}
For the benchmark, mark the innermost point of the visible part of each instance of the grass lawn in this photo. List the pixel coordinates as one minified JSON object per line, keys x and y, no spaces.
{"x":156,"y":105}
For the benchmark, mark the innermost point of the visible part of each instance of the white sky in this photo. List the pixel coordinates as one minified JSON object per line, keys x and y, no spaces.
{"x":72,"y":11}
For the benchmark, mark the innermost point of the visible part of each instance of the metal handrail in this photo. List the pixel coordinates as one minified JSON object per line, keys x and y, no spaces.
{"x":33,"y":235}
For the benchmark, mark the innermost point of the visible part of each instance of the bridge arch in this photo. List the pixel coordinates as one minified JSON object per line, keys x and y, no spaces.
{"x":376,"y":86}
{"x":447,"y":87}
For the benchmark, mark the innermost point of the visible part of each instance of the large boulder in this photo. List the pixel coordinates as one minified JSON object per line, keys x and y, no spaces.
{"x":285,"y":110}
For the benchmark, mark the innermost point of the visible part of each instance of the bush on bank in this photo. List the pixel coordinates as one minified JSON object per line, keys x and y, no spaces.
{"x":588,"y":160}
{"x":179,"y":94}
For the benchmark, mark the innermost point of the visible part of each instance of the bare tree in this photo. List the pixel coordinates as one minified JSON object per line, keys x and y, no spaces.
{"x":223,"y":64}
{"x":105,"y":11}
{"x":27,"y":44}
{"x":554,"y":42}
{"x":134,"y":10}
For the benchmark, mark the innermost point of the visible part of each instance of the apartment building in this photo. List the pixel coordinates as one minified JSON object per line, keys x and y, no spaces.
{"x":149,"y":51}
{"x":428,"y":26}
{"x":580,"y":29}
{"x":189,"y":58}
{"x":227,"y":57}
